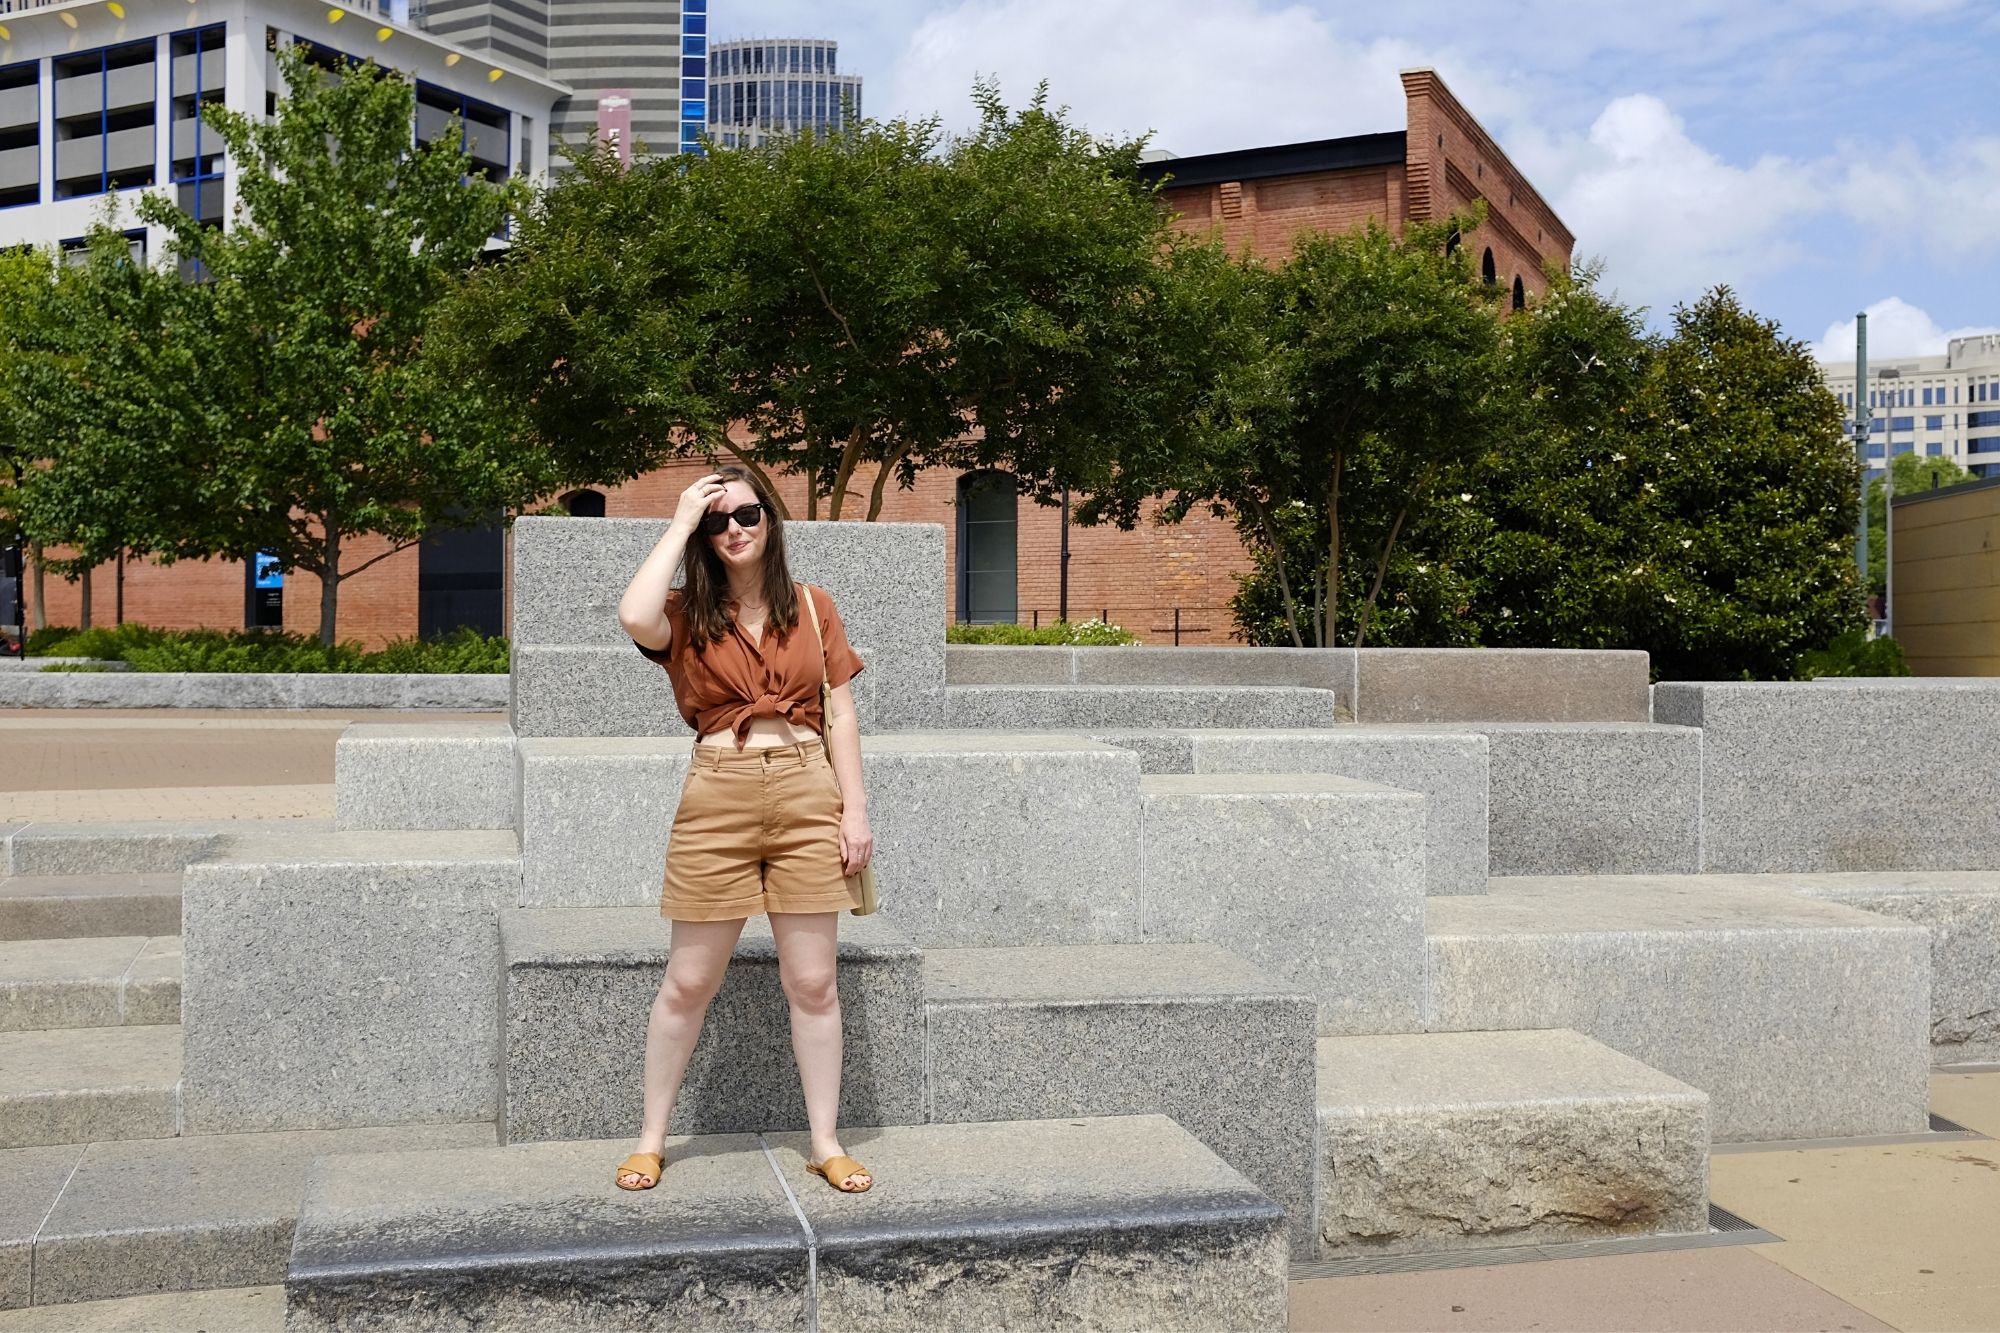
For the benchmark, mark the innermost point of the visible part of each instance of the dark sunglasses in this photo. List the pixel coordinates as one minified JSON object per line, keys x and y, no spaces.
{"x":715,"y":520}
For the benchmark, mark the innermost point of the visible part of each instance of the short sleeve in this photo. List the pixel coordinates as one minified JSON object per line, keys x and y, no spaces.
{"x":677,"y":623}
{"x":842,"y":662}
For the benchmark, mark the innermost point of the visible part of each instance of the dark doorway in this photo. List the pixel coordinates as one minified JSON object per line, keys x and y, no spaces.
{"x":583,"y":504}
{"x":1487,"y":270}
{"x":987,"y":527}
{"x":1520,"y":293}
{"x":459,"y":579}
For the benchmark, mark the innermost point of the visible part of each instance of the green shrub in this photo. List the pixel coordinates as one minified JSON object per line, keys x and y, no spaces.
{"x":263,"y":650}
{"x":77,"y":666}
{"x":1056,"y":634}
{"x":101,"y":641}
{"x":38,"y":640}
{"x":1855,"y":654}
{"x":464,"y":650}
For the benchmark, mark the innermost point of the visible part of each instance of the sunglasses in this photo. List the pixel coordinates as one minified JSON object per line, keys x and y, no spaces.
{"x":716,"y":520}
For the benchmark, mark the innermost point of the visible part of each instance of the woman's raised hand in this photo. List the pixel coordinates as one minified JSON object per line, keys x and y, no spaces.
{"x":695,"y":501}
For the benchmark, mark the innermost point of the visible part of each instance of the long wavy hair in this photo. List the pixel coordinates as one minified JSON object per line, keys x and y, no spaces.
{"x":705,"y":583}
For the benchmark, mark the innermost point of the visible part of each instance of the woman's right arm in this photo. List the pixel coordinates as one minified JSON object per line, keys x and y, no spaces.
{"x":643,"y":608}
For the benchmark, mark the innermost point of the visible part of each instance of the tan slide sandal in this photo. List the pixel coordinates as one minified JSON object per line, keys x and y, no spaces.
{"x":645,"y":1165}
{"x":839,"y":1170}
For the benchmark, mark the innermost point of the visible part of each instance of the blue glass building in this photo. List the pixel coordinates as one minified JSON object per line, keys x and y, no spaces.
{"x":777,"y":86}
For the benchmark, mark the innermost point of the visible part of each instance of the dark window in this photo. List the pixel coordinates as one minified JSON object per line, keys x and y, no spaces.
{"x":1520,"y":293}
{"x":1487,"y":272}
{"x":987,"y":528}
{"x":584,"y":504}
{"x":459,"y":580}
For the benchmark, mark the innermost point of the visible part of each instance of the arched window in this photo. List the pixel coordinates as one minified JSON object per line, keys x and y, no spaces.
{"x":1486,"y":268}
{"x":1520,"y":293}
{"x":583,"y":504}
{"x":1451,"y":242}
{"x":987,"y":525}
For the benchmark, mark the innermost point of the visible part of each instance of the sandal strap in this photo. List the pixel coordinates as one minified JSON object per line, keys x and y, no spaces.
{"x":839,"y":1169}
{"x":643,"y":1163}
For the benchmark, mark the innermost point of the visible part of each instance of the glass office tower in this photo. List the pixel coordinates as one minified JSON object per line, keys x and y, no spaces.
{"x":769,"y":86}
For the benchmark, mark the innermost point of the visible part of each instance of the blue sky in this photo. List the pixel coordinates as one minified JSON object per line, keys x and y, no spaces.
{"x":1819,"y":156}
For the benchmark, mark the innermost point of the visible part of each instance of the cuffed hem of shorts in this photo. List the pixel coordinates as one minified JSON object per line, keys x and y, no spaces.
{"x":838,"y":901}
{"x":707,"y":911}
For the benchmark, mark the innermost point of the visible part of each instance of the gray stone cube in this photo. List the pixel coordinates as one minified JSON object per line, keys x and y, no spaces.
{"x":1469,"y":1140}
{"x":1402,"y":685}
{"x":1100,"y":707}
{"x":580,"y":982}
{"x":1845,"y":774}
{"x":344,"y":979}
{"x":1319,"y":880}
{"x":594,"y":819}
{"x":1449,"y":770}
{"x":1182,"y":1030}
{"x":424,"y":775}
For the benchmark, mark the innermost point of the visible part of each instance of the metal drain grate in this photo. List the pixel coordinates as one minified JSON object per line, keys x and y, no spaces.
{"x":1721,"y":1219}
{"x":1940,"y":1125}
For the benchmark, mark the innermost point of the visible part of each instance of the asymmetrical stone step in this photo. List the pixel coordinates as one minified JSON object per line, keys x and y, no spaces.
{"x":1318,"y":880}
{"x":1054,"y":707}
{"x":1183,"y":1030}
{"x":425,"y":775}
{"x":579,"y":983}
{"x":141,"y":847}
{"x":80,"y":1085}
{"x":50,"y":907}
{"x":342,"y":979}
{"x":1799,"y":1019}
{"x":118,"y":1219}
{"x":107,"y":981}
{"x":258,"y":1309}
{"x":1469,"y":1140}
{"x":1961,"y":909}
{"x":1125,"y":1223}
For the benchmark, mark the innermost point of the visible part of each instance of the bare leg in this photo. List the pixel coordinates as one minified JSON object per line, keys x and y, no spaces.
{"x":806,"y":968}
{"x":697,"y":957}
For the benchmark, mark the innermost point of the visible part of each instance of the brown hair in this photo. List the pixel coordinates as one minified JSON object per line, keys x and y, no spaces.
{"x":705,"y":584}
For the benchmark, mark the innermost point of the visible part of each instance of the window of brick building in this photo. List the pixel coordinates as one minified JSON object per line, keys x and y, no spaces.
{"x":459,"y":579}
{"x":988,"y":518}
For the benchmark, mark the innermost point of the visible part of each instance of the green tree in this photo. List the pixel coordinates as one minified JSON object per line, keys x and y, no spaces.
{"x":851,"y":308}
{"x":1908,"y":474}
{"x":318,"y":422}
{"x":26,"y":278}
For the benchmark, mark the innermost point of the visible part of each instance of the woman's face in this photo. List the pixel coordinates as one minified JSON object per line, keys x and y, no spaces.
{"x":739,"y":548}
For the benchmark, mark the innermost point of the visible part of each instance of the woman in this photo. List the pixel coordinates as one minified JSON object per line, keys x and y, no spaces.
{"x":766,"y":823}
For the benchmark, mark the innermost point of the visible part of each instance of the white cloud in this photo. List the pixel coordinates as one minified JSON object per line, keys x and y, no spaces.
{"x":1950,"y":206}
{"x":1895,"y":328}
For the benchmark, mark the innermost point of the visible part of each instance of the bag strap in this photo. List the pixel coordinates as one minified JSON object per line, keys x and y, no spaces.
{"x":812,"y":613}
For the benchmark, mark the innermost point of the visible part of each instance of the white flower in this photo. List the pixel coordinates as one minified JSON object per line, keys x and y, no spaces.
{"x":1423,"y":569}
{"x":1617,"y":458}
{"x":1465,"y":495}
{"x":1686,"y":542}
{"x":1505,"y":614}
{"x":1646,"y":486}
{"x":1673,"y":600}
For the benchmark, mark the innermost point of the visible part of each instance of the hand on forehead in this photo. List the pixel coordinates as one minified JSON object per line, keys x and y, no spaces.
{"x":735,"y":494}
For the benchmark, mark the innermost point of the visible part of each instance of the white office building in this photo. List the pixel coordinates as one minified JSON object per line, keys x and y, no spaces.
{"x":773,"y":85}
{"x":104,"y":99}
{"x":1941,"y":406}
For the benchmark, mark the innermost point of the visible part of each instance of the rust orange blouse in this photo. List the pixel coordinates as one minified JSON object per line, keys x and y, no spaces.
{"x":736,"y":680}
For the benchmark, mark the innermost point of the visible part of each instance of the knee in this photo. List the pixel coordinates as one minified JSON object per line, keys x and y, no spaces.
{"x":811,"y":990}
{"x":686,"y":993}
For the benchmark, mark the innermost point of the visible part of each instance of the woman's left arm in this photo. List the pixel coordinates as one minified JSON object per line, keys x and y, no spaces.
{"x":843,"y":735}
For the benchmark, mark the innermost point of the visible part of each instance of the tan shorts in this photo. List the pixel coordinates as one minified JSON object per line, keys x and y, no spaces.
{"x":758,"y":830}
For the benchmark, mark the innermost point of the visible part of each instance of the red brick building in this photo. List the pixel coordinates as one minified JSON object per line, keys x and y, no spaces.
{"x":1437,"y":164}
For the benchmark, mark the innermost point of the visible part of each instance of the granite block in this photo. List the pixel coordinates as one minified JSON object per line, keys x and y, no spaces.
{"x":594,"y":818}
{"x":580,"y":982}
{"x":194,"y":1213}
{"x":31,"y":1179}
{"x":231,"y":1310}
{"x":1590,"y":798}
{"x":1099,"y":707}
{"x":585,"y":690}
{"x":428,"y":775}
{"x":8,"y":828}
{"x":1501,"y":685}
{"x":142,"y":847}
{"x":1449,"y":770}
{"x":1181,"y":1030}
{"x":1837,"y":775}
{"x":1751,"y":994}
{"x":1310,"y":668}
{"x":82,"y":1085}
{"x":536,"y":1236}
{"x":1158,"y":751}
{"x":189,"y":689}
{"x":887,"y":580}
{"x":1115,"y":1224}
{"x":52,"y":907}
{"x":1008,"y":664}
{"x":1458,"y":1141}
{"x":90,"y":982}
{"x":1319,"y":880}
{"x":152,"y":989}
{"x":1961,"y":909}
{"x":344,"y":979}
{"x":1005,"y":839}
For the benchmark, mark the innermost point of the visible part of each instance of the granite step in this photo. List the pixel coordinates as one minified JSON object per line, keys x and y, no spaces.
{"x":1454,"y":1141}
{"x":52,"y":907}
{"x":1189,"y":1031}
{"x":80,"y":1085}
{"x":258,"y":1309}
{"x":103,"y":981}
{"x":1043,"y":707}
{"x":138,"y":847}
{"x":1121,"y":1223}
{"x":119,"y":1219}
{"x":1800,"y":1019}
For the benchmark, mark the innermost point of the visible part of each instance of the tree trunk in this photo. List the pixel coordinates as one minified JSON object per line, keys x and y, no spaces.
{"x":850,"y":458}
{"x":83,"y":619}
{"x":881,"y":480}
{"x":1332,"y":618}
{"x":1284,"y":582}
{"x":329,"y":586}
{"x":1388,"y":549}
{"x":756,"y":470}
{"x":41,"y":587}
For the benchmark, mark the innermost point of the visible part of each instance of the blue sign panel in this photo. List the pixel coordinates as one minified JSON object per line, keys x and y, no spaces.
{"x":268,"y":574}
